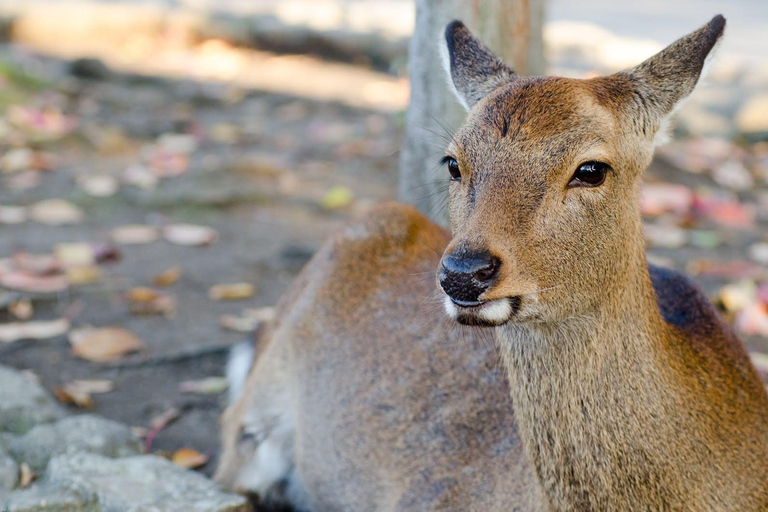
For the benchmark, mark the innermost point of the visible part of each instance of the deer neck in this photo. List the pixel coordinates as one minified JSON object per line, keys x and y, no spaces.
{"x":592,"y":396}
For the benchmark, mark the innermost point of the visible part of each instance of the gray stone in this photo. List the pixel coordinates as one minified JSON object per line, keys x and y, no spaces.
{"x":24,"y":403}
{"x":85,"y":433}
{"x":44,"y":498}
{"x":144,"y":483}
{"x":9,"y":470}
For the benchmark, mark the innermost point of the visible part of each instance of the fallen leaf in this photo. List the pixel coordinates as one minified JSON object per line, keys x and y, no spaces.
{"x":21,"y":309}
{"x":103,"y":344}
{"x":189,"y":234}
{"x":189,"y":458}
{"x":658,"y":198}
{"x":38,"y":330}
{"x":760,"y":361}
{"x":78,"y":392}
{"x":55,"y":212}
{"x":23,"y":180}
{"x":752,"y":320}
{"x":726,"y":212}
{"x":704,"y":239}
{"x":75,"y":254}
{"x":337,"y":197}
{"x":168,"y":277}
{"x":83,"y":275}
{"x":759,"y":252}
{"x":27,"y":282}
{"x":142,"y":294}
{"x":670,"y":237}
{"x":232,"y":291}
{"x":135,"y":234}
{"x":37,"y":264}
{"x":98,"y":185}
{"x":737,"y":296}
{"x":248,"y":320}
{"x":141,"y":177}
{"x":13,"y":214}
{"x":26,"y":475}
{"x":164,"y":305}
{"x":16,"y":159}
{"x":207,"y":386}
{"x":158,"y":423}
{"x":734,"y":269}
{"x":732,"y":174}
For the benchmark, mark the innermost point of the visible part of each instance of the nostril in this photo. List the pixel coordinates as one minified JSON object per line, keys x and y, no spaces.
{"x":488,"y":271}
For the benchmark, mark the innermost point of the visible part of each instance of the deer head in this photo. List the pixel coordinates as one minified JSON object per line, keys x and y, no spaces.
{"x":544,"y":180}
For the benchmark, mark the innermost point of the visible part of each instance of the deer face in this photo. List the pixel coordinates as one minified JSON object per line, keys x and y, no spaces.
{"x":544,"y":179}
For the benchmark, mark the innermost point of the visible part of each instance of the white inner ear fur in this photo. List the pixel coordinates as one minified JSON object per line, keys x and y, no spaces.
{"x":445,"y":58}
{"x":664,"y":133}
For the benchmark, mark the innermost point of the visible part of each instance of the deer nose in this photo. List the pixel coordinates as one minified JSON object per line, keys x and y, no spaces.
{"x":464,"y":276}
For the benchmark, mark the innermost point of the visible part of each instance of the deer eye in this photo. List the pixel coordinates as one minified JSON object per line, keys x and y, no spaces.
{"x":589,"y":174}
{"x":453,"y":167}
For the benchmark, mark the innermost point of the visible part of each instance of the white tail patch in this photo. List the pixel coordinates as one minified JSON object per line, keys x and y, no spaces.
{"x":238,"y":366}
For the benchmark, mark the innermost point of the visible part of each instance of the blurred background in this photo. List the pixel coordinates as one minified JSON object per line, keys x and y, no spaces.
{"x":167,"y":168}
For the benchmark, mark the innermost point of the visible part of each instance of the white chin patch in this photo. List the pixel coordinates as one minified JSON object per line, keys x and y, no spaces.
{"x":492,"y":312}
{"x":495,"y":311}
{"x":450,"y":308}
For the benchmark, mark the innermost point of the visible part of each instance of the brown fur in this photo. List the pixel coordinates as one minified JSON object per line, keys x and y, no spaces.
{"x":629,"y":391}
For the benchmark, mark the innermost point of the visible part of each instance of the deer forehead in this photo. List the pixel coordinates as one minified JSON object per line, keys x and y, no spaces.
{"x":540,"y":123}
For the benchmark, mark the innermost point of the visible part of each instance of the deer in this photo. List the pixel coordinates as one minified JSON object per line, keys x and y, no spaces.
{"x":613,"y":385}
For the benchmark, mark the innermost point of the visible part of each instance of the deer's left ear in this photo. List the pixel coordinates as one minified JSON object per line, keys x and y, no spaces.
{"x":661,"y":83}
{"x":473,"y":69}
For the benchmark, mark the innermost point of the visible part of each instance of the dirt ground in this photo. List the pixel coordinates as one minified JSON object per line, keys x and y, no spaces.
{"x":260,"y":181}
{"x":264,"y":174}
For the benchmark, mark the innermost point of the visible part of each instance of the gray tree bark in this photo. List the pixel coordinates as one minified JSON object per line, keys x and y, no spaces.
{"x":512,"y":28}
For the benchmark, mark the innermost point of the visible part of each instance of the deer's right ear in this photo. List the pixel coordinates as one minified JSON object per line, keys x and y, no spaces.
{"x":473,"y":69}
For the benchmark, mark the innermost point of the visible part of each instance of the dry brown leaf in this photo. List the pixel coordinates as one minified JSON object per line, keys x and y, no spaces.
{"x":168,"y":277}
{"x":39,"y":330}
{"x":26,"y":282}
{"x":165,"y":418}
{"x":56,"y":212}
{"x":248,"y":320}
{"x":83,"y":275}
{"x":142,"y":294}
{"x":98,"y":185}
{"x":232,"y":291}
{"x":189,"y":235}
{"x":134,"y":234}
{"x":161,"y":305}
{"x":78,"y":392}
{"x":189,"y":458}
{"x":103,"y":344}
{"x":21,"y":309}
{"x":157,"y":424}
{"x":26,"y":475}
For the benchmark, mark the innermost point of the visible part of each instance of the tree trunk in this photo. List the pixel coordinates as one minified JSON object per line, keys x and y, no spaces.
{"x":512,"y":28}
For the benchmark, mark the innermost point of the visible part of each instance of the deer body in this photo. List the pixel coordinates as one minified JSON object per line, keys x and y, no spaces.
{"x":624,"y":390}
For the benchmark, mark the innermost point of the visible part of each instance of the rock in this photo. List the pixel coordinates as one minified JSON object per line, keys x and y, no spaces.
{"x":90,"y":68}
{"x":9,"y":470}
{"x":24,"y":403}
{"x":85,"y":433}
{"x":141,"y":483}
{"x":753,"y":115}
{"x":43,"y":498}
